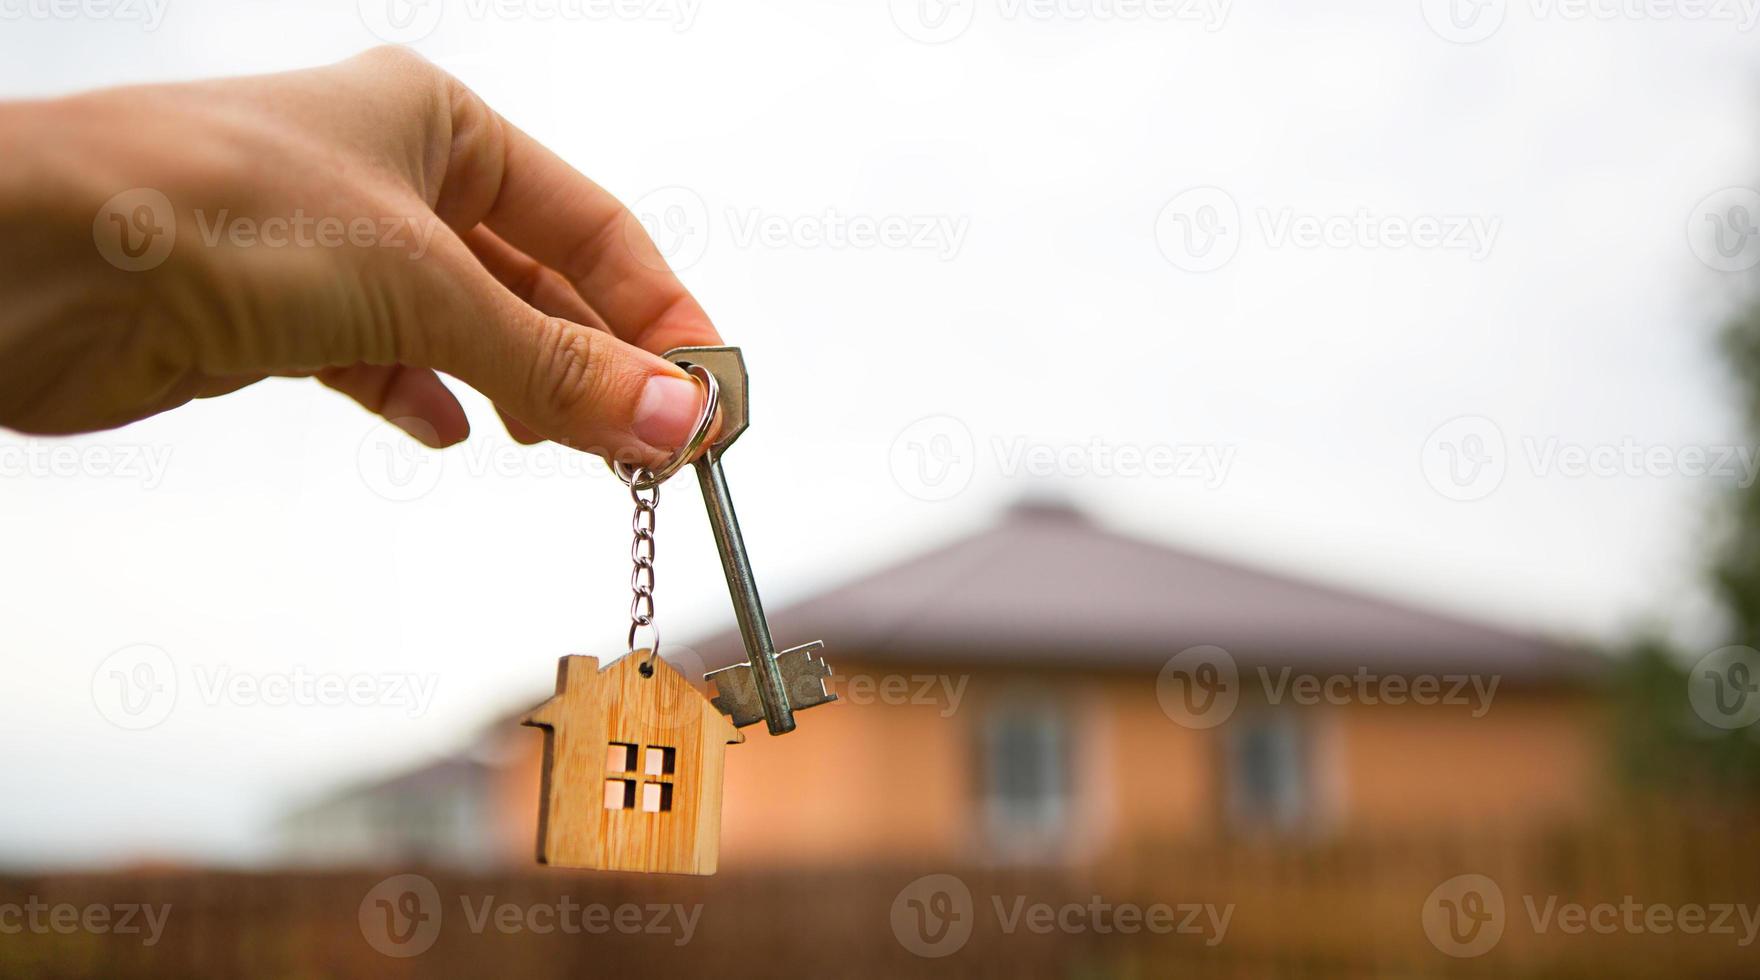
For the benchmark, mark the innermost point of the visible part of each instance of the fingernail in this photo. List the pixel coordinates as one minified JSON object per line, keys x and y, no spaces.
{"x":667,"y":411}
{"x":420,"y":428}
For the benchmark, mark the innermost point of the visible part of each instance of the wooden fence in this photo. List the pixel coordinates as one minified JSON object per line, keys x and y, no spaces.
{"x":1234,"y":909}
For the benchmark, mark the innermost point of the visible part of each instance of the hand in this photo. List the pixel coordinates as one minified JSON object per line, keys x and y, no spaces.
{"x":369,"y":224}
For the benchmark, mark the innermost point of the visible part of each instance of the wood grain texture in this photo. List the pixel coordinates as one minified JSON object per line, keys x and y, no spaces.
{"x":594,"y":709}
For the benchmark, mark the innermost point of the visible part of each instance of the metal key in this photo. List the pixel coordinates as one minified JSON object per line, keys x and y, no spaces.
{"x":770,"y":686}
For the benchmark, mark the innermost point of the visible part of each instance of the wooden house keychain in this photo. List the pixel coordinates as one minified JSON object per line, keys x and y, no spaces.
{"x":632,"y":752}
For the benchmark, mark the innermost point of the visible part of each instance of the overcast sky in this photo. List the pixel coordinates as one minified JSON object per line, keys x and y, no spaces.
{"x":1352,"y":285}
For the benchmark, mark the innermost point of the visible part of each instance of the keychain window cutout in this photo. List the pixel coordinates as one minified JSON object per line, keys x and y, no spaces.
{"x":620,"y":794}
{"x":620,"y":758}
{"x":657,"y":797}
{"x":658,"y":761}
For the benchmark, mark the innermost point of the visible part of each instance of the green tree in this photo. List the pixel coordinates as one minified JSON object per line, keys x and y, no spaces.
{"x":1662,"y":743}
{"x":1736,"y":572}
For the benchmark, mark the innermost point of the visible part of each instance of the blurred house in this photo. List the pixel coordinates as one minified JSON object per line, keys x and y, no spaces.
{"x":1046,"y":691}
{"x":445,"y":814}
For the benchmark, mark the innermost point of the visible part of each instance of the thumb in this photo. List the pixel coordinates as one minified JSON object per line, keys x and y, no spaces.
{"x":566,"y":381}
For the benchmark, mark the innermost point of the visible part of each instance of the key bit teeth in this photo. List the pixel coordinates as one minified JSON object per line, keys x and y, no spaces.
{"x":803,"y":676}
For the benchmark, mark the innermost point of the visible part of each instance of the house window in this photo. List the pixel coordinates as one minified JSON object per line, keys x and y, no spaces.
{"x":1268,"y":778}
{"x":659,"y":762}
{"x":1026,"y":779}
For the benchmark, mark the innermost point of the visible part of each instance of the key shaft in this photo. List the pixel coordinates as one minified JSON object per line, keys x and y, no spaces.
{"x":754,"y":629}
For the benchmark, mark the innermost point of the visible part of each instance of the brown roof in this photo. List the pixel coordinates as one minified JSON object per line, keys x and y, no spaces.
{"x":1046,"y":586}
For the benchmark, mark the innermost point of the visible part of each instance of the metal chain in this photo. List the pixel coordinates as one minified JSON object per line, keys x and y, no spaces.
{"x":641,"y":577}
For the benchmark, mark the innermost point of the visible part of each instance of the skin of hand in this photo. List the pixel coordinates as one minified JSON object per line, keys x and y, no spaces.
{"x":369,"y":224}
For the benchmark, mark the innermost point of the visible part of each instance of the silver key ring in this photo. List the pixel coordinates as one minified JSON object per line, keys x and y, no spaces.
{"x":632,"y":475}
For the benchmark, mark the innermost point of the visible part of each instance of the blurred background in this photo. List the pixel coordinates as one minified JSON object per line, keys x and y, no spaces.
{"x":1275,"y":481}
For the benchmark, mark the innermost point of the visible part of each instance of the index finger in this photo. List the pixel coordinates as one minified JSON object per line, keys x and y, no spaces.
{"x":560,"y":217}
